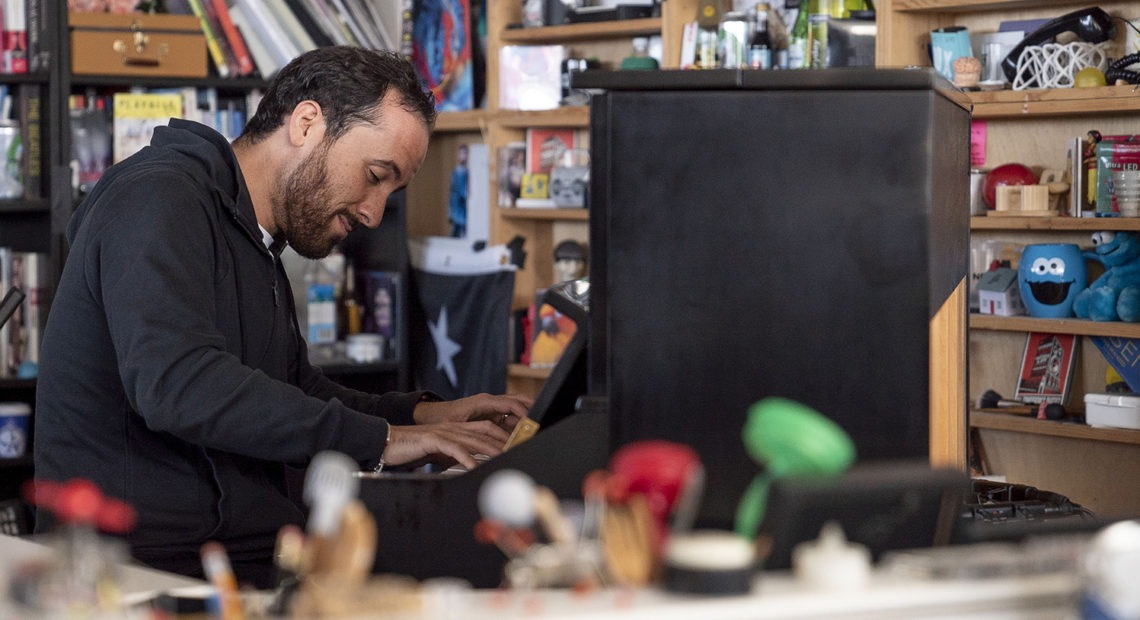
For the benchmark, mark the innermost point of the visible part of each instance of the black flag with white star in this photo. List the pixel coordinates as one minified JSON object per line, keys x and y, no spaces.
{"x":459,"y":332}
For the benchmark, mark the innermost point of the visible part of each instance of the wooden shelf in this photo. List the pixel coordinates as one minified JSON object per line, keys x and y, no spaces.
{"x":152,"y":81}
{"x":576,"y":117}
{"x":24,"y":78}
{"x":1080,"y":327}
{"x":523,"y":371}
{"x":972,"y":6}
{"x":16,"y":383}
{"x":1030,"y":425}
{"x":584,"y":31}
{"x":577,"y":215}
{"x":24,"y":205}
{"x":1055,"y":102}
{"x":457,"y":122}
{"x":1090,"y":224}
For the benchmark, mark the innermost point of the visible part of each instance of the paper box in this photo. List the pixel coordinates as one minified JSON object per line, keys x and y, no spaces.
{"x":137,"y":44}
{"x":998,"y":293}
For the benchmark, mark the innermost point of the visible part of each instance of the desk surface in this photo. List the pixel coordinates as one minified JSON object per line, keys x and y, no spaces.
{"x":779,"y":596}
{"x":774,"y":595}
{"x":137,"y":582}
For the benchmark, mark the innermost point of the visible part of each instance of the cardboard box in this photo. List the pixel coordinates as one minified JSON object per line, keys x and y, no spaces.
{"x":137,"y":44}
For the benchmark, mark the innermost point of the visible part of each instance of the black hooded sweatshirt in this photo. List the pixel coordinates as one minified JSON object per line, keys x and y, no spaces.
{"x":172,"y":372}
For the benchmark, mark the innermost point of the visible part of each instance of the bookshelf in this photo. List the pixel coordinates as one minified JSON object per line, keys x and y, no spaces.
{"x":36,"y":222}
{"x":543,"y":229}
{"x":1091,"y":466}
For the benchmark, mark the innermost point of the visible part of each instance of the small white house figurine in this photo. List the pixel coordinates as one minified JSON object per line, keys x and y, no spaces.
{"x":998,"y":293}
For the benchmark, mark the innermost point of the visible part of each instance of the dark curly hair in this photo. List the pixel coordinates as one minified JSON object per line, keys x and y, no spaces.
{"x":348,"y":82}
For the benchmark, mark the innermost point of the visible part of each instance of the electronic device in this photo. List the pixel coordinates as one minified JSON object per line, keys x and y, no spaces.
{"x":12,"y":300}
{"x":1092,"y":24}
{"x":884,"y":505}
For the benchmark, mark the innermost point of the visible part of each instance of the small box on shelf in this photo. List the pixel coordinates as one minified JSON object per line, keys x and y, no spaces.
{"x":137,"y":44}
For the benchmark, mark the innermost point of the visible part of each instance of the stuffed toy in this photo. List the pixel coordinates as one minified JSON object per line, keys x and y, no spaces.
{"x":1115,"y":295}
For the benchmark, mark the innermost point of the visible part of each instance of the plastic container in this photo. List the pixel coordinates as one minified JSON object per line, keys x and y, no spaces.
{"x":1112,"y":410}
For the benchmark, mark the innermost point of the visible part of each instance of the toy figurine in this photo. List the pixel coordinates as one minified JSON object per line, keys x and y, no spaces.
{"x":569,"y":261}
{"x":1115,"y":295}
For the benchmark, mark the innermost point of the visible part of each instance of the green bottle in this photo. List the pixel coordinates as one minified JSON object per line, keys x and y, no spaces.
{"x":799,"y":45}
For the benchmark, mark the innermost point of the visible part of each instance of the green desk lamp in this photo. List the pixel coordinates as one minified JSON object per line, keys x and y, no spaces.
{"x":788,"y":438}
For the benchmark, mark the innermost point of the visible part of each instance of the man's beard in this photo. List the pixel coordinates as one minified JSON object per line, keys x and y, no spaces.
{"x":304,"y":208}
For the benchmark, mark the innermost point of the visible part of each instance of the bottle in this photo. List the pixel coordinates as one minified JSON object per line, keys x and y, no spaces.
{"x":760,"y":47}
{"x":321,"y":283}
{"x":639,"y":60}
{"x":708,"y":35}
{"x":799,"y":47}
{"x":819,"y":21}
{"x":734,"y":40}
{"x":350,"y":305}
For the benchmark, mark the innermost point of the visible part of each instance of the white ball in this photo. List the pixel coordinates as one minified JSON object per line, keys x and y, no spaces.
{"x":508,"y":496}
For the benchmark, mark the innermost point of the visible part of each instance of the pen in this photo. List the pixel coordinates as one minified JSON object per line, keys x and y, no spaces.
{"x":216,"y":565}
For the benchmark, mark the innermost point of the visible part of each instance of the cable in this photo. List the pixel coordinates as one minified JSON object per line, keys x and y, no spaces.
{"x":1118,"y":69}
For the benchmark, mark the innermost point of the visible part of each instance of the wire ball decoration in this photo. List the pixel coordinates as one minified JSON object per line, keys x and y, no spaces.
{"x":1055,"y":65}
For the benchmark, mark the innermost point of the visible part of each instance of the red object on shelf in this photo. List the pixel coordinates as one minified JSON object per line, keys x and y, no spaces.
{"x":1005,"y":174}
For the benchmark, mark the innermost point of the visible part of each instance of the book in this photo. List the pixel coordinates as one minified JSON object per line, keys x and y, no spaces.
{"x":381,"y":295}
{"x":351,"y":29}
{"x":136,"y":116}
{"x":28,"y":272}
{"x":544,"y":145}
{"x":359,"y":15}
{"x":14,"y":37}
{"x":441,"y":52}
{"x":214,"y":40}
{"x":478,"y":193}
{"x":260,"y":19}
{"x":511,"y":168}
{"x":288,"y":21}
{"x":552,"y":333}
{"x":530,"y":77}
{"x":387,"y":20}
{"x":266,"y":63}
{"x":32,"y":160}
{"x":241,"y":55}
{"x":311,"y":21}
{"x":1123,"y":354}
{"x":5,"y":285}
{"x":39,"y":37}
{"x":1046,"y":368}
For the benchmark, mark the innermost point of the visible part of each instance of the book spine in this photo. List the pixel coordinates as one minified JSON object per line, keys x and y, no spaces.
{"x":237,"y":43}
{"x":5,"y":284}
{"x":262,"y":57}
{"x":14,"y":37}
{"x":292,"y":27}
{"x":34,"y":276}
{"x":212,"y":42}
{"x":258,"y":16}
{"x":407,"y":27}
{"x":31,"y":129}
{"x":330,"y":21}
{"x":313,"y":23}
{"x":39,"y":46}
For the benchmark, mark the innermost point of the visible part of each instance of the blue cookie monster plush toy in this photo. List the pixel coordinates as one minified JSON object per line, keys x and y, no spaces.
{"x":1115,"y":295}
